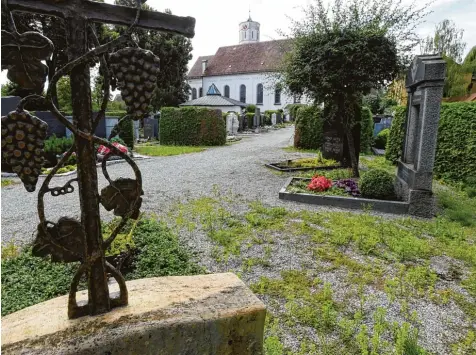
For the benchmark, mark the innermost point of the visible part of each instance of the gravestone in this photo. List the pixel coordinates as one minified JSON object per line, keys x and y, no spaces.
{"x":279,"y":118}
{"x":287,"y":118}
{"x":273,"y":119}
{"x":335,"y":143}
{"x":9,"y":104}
{"x":232,"y":124}
{"x":151,"y":128}
{"x":424,"y":83}
{"x":257,"y":118}
{"x":241,"y":119}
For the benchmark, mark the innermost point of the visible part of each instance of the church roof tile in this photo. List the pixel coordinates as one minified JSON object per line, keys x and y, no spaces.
{"x":243,"y":58}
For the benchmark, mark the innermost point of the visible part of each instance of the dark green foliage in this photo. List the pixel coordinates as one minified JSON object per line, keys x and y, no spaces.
{"x":268,"y":114}
{"x":456,"y":145}
{"x":309,"y":128}
{"x":373,"y":102}
{"x":192,"y":126}
{"x":380,"y":141}
{"x":160,"y":252}
{"x":366,"y":130}
{"x":28,"y":280}
{"x":126,"y":132}
{"x":251,"y":108}
{"x":292,"y":108}
{"x":58,"y":145}
{"x":394,"y":148}
{"x":456,"y":207}
{"x":470,"y":186}
{"x":249,"y":117}
{"x":377,"y":184}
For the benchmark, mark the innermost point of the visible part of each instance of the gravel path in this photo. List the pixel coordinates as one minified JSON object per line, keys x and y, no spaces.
{"x":238,"y":168}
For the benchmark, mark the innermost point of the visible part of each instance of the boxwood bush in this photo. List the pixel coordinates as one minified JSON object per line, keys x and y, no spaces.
{"x":309,"y":128}
{"x":293,"y":108}
{"x":377,"y":184}
{"x":249,"y":119}
{"x":456,"y":144}
{"x":192,"y":126}
{"x":366,"y":129}
{"x":380,"y":141}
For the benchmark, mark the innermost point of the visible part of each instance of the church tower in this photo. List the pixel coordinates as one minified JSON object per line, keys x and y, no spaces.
{"x":249,"y":31}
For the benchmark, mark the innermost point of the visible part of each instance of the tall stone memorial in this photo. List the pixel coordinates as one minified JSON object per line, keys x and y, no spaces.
{"x":424,"y":83}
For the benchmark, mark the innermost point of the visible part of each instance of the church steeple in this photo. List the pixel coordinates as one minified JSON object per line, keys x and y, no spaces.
{"x":249,"y":30}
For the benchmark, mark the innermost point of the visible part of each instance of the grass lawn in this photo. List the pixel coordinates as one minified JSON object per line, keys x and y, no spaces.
{"x":165,"y":150}
{"x":291,"y":149}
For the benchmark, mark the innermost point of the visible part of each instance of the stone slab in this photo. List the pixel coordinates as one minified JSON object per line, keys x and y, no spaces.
{"x":396,"y":207}
{"x":205,"y":314}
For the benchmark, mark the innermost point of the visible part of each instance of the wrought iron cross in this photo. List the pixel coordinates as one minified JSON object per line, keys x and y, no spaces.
{"x":70,"y":240}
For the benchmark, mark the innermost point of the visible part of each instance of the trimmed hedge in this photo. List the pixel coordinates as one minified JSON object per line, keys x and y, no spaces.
{"x":126,"y":132}
{"x":251,"y":108}
{"x":456,"y":145}
{"x":394,"y":148}
{"x":309,"y":128}
{"x":366,"y":129}
{"x":192,"y":126}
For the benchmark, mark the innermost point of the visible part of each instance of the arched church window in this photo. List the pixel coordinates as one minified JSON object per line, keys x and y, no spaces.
{"x":194,"y":94}
{"x":226,"y":91}
{"x":259,"y":94}
{"x":243,"y":93}
{"x":277,"y":95}
{"x":200,"y":92}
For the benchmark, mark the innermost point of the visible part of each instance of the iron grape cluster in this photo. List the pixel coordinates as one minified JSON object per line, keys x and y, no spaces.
{"x":136,"y":71}
{"x":23,"y":138}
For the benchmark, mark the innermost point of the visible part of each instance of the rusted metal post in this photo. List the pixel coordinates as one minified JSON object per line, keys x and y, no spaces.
{"x":76,"y":28}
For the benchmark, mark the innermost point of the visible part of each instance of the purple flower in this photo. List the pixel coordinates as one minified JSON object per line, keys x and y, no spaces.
{"x":349,"y":185}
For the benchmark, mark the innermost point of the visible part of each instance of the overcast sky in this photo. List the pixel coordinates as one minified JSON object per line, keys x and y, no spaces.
{"x":217,"y":20}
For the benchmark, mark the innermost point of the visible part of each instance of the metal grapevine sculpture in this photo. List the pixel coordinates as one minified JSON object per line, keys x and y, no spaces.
{"x":68,"y":239}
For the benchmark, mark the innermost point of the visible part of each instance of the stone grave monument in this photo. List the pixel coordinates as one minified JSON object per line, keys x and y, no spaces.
{"x":279,"y":118}
{"x":204,"y":314}
{"x":334,"y":144}
{"x":273,"y":119}
{"x":232,"y":124}
{"x":151,"y":128}
{"x":424,"y":83}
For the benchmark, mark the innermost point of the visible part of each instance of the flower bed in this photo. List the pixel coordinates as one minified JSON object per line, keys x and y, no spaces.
{"x":340,"y":193}
{"x":305,"y":164}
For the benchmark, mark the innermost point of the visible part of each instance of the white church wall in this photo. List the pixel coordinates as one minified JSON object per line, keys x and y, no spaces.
{"x":251,"y":82}
{"x":196,"y":84}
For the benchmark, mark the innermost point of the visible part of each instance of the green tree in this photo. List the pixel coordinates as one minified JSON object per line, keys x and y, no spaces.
{"x":64,"y":94}
{"x":342,"y":51}
{"x":175,"y":52}
{"x":447,"y":41}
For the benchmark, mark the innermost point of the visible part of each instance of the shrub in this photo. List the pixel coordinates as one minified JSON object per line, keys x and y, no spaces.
{"x":192,"y":126}
{"x":293,"y":108}
{"x":309,"y":128}
{"x":366,"y":129}
{"x":57,"y":145}
{"x":160,"y":252}
{"x":118,"y":140}
{"x":249,"y":119}
{"x":126,"y":132}
{"x":380,"y":141}
{"x":268,"y":114}
{"x":377,"y":184}
{"x":28,"y":280}
{"x":394,"y":148}
{"x":456,"y":144}
{"x":251,"y":108}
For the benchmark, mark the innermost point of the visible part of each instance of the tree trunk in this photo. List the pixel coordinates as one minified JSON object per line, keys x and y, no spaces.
{"x":353,"y":158}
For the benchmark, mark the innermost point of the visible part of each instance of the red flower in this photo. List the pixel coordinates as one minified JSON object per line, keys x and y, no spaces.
{"x":320,"y":183}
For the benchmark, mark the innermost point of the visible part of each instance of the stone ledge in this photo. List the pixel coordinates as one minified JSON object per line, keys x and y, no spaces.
{"x":205,"y":314}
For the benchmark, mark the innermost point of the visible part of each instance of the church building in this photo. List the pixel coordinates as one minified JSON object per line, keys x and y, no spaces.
{"x":244,"y":72}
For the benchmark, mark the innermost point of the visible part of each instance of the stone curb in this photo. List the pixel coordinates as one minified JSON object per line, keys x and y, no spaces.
{"x":394,"y":207}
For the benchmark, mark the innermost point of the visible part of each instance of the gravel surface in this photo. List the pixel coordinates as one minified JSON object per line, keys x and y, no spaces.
{"x":238,"y":168}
